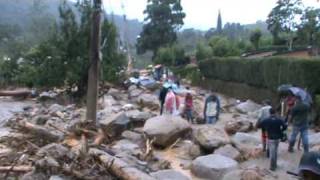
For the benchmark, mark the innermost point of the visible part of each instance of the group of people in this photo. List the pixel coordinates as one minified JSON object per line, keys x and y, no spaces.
{"x":170,"y":104}
{"x":274,"y":125}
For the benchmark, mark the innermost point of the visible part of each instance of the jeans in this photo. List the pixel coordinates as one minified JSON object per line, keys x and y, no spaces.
{"x":189,"y":115}
{"x":161,"y":107}
{"x":211,"y":119}
{"x":273,"y":150}
{"x":304,"y":136}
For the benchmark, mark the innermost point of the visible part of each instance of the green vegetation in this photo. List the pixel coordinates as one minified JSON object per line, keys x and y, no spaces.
{"x":163,"y":19}
{"x":264,"y":73}
{"x":61,"y":59}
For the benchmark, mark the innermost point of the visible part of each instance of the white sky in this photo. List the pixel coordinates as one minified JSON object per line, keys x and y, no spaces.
{"x":202,"y":14}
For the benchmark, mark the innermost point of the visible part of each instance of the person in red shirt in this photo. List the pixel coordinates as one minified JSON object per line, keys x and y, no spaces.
{"x":188,"y":106}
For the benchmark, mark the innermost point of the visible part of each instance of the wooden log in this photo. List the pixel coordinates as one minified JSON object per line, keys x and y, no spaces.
{"x":119,"y":167}
{"x":16,"y":168}
{"x":17,"y":93}
{"x":42,"y":132}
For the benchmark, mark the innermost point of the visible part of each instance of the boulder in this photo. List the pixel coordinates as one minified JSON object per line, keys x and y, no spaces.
{"x":210,"y":137}
{"x":248,"y":145}
{"x":244,"y":139}
{"x":34,"y":176}
{"x":135,"y":93}
{"x":132,"y":136}
{"x":109,"y":101}
{"x":169,"y":174}
{"x":238,"y":126}
{"x":115,"y":93}
{"x":127,"y":146}
{"x":213,"y":166}
{"x":149,"y":100}
{"x":138,"y":116}
{"x":314,"y":139}
{"x":55,"y":108}
{"x":247,"y":107}
{"x":115,"y":124}
{"x":56,"y":151}
{"x":40,"y":119}
{"x":56,"y":177}
{"x":166,"y":129}
{"x":186,"y":149}
{"x":228,"y":151}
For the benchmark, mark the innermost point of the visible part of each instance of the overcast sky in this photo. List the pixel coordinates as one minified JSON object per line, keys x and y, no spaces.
{"x":202,"y":14}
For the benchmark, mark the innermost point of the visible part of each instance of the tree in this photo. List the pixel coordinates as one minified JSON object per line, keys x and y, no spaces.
{"x":282,"y":19}
{"x":163,"y":19}
{"x":310,"y":26}
{"x":223,"y":47}
{"x":255,"y":38}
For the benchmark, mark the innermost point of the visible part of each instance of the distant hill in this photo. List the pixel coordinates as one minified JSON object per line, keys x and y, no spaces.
{"x":262,"y":25}
{"x":19,"y":12}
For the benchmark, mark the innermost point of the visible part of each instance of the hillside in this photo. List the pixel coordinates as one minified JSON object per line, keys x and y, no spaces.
{"x":20,"y":12}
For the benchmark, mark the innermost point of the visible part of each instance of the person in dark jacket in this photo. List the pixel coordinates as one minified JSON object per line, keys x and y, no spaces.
{"x":274,"y":127}
{"x":162,"y":98}
{"x":299,"y":119}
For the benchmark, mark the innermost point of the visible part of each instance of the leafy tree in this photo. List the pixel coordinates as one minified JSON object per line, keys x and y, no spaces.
{"x":310,"y":26}
{"x":171,"y":56}
{"x":63,"y":59}
{"x":203,"y":51}
{"x":222,"y":47}
{"x":163,"y":19}
{"x":255,"y":38}
{"x":282,"y":19}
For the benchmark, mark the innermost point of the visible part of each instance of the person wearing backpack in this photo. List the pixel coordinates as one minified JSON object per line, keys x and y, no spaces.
{"x":274,"y":127}
{"x":188,"y":106}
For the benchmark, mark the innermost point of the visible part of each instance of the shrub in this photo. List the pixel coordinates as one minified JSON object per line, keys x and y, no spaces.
{"x":265,"y":72}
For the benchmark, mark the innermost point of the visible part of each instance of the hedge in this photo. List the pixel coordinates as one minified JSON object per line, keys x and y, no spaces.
{"x":265,"y":72}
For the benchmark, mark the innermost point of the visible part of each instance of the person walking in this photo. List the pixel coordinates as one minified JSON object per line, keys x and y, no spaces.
{"x":211,"y":109}
{"x":274,"y":127}
{"x":172,"y":103}
{"x":188,"y":106}
{"x":162,"y":98}
{"x":299,"y":119}
{"x":264,"y":113}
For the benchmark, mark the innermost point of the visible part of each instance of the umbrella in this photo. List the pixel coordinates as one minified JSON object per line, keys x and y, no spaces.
{"x":305,"y":97}
{"x":284,"y":88}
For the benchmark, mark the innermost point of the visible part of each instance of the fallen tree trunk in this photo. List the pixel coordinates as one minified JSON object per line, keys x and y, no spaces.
{"x":16,"y":168}
{"x":40,"y":131}
{"x":17,"y":93}
{"x":118,"y":167}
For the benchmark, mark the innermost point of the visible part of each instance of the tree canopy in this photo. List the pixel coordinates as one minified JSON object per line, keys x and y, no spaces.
{"x":163,"y":19}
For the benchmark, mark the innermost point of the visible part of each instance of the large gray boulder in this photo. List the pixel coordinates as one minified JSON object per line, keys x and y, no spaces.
{"x":115,"y":124}
{"x":213,"y":166}
{"x":210,"y":137}
{"x":169,"y":174}
{"x":126,"y":146}
{"x":228,"y":151}
{"x":149,"y":100}
{"x":138,"y":116}
{"x":166,"y":129}
{"x":245,"y":140}
{"x":248,"y":107}
{"x":56,"y":151}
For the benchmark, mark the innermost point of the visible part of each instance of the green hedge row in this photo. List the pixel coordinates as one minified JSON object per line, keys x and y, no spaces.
{"x":265,"y":72}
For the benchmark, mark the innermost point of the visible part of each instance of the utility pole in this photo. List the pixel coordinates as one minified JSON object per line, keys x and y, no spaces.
{"x":95,"y":57}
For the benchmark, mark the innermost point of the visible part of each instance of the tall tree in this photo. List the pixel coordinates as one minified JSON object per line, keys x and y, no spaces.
{"x":282,"y":19}
{"x":310,"y":26}
{"x":255,"y":38}
{"x":219,"y":23}
{"x":163,"y":19}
